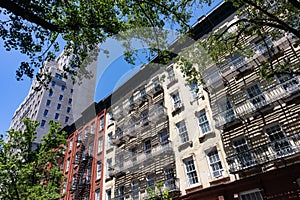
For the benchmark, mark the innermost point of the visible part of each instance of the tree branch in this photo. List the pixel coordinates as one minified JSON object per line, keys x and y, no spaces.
{"x":28,"y":15}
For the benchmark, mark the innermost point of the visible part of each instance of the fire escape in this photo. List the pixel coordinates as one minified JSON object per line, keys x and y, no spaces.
{"x":81,"y":181}
{"x":234,"y":107}
{"x":139,"y":149}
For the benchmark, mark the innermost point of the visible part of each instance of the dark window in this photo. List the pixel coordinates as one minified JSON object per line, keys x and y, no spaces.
{"x":68,"y":109}
{"x":70,"y":101}
{"x":53,"y":83}
{"x":48,"y":103}
{"x":60,"y":97}
{"x":43,"y":123}
{"x":58,"y":76}
{"x":45,"y":113}
{"x":63,"y":87}
{"x":58,"y":106}
{"x":56,"y":115}
{"x":50,"y":93}
{"x":72,"y":91}
{"x":67,"y":119}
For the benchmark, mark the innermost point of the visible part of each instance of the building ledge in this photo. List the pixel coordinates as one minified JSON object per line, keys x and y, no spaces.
{"x":194,"y":188}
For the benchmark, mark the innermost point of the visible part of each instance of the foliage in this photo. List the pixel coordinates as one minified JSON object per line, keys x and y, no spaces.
{"x":27,"y":171}
{"x":268,"y":20}
{"x":159,"y":193}
{"x":33,"y":27}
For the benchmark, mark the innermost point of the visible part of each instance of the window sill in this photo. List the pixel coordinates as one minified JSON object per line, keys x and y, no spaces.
{"x":206,"y":135}
{"x":194,"y":187}
{"x":185,"y":145}
{"x":220,"y":179}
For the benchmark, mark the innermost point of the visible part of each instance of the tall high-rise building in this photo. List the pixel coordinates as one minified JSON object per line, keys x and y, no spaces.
{"x":57,"y":102}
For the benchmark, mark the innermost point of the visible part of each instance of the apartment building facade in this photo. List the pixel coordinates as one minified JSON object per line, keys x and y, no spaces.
{"x":236,"y":140}
{"x":83,"y":163}
{"x":259,"y":120}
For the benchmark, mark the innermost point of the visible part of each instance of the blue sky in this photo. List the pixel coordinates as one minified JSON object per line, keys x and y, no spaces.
{"x":13,"y":92}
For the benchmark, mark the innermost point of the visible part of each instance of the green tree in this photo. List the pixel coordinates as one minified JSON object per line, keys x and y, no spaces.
{"x":159,"y":193}
{"x":30,"y":172}
{"x":269,"y":20}
{"x":33,"y":27}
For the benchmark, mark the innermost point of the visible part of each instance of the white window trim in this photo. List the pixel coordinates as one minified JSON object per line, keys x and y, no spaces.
{"x":209,"y":163}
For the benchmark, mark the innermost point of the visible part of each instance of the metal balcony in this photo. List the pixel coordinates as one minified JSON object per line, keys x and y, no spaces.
{"x":172,"y":185}
{"x":155,"y":90}
{"x":225,"y":117}
{"x":279,"y":149}
{"x":271,"y":95}
{"x":157,"y":114}
{"x":142,"y":157}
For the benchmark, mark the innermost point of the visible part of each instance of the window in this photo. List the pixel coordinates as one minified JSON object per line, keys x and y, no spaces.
{"x":86,"y":196}
{"x":56,"y":116}
{"x":50,"y":93}
{"x":108,"y":194}
{"x":121,"y":192}
{"x":88,"y":174}
{"x":191,"y":171}
{"x":97,"y":194}
{"x":194,"y":90}
{"x":242,"y":150}
{"x":93,"y":128}
{"x":58,"y":106}
{"x":135,"y":190}
{"x":67,"y":119}
{"x":63,"y":87}
{"x":251,"y":195}
{"x":120,"y":160}
{"x":288,"y":82}
{"x":48,"y":102}
{"x":150,"y":181}
{"x":164,"y":137}
{"x":147,"y":147}
{"x":109,"y":140}
{"x":76,"y":158}
{"x":171,"y":74}
{"x":58,"y":76}
{"x":119,"y":132}
{"x":68,"y":109}
{"x":45,"y":113}
{"x":43,"y":123}
{"x":170,"y":179}
{"x":70,"y":101}
{"x":109,"y":164}
{"x":60,"y":97}
{"x":68,"y":165}
{"x":99,"y":169}
{"x":203,"y":122}
{"x":215,"y":163}
{"x":277,"y":138}
{"x":71,"y":145}
{"x":53,"y":83}
{"x":176,"y":100}
{"x":255,"y":94}
{"x":71,"y":91}
{"x":64,"y":186}
{"x":91,"y":146}
{"x":144,"y":117}
{"x":131,"y":102}
{"x":182,"y":132}
{"x":226,"y":111}
{"x":79,"y":138}
{"x":133,"y":154}
{"x":101,"y":123}
{"x":100,"y":146}
{"x":143,"y":94}
{"x":86,"y":132}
